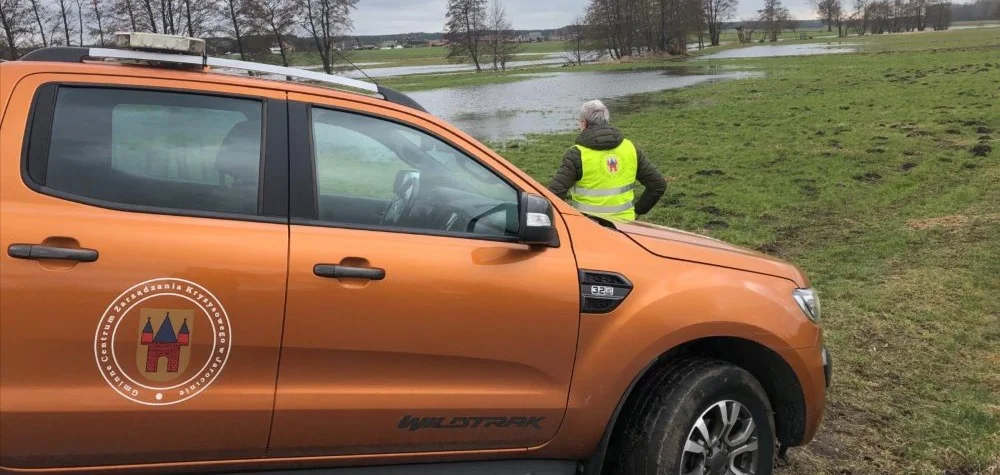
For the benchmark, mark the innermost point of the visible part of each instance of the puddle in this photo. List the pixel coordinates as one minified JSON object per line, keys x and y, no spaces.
{"x":549,"y":102}
{"x":767,"y":51}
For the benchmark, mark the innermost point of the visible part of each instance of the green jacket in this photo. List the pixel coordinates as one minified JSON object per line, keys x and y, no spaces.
{"x":606,"y":137}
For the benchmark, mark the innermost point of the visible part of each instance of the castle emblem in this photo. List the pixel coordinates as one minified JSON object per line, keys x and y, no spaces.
{"x":165,"y":344}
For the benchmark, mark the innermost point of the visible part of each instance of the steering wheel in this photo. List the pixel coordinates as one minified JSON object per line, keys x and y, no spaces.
{"x":405,"y":192}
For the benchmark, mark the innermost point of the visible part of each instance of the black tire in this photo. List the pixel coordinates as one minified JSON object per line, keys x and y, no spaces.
{"x":668,"y":406}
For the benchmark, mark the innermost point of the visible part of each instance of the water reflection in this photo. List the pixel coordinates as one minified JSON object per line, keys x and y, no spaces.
{"x":549,"y":102}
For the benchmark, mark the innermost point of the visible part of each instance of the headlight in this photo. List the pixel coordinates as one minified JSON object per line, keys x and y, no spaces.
{"x":808,"y":301}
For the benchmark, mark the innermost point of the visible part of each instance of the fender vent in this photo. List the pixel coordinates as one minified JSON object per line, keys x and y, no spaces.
{"x":602,"y":292}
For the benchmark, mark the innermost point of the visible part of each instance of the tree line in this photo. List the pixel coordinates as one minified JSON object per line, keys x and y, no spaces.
{"x":480,"y":33}
{"x":978,"y":10}
{"x":28,"y":24}
{"x":892,"y":16}
{"x":624,"y":28}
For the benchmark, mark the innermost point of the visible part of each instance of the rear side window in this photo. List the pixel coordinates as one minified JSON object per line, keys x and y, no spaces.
{"x":169,"y":150}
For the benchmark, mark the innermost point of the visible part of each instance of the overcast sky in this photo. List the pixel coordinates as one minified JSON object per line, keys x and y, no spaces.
{"x":378,"y":17}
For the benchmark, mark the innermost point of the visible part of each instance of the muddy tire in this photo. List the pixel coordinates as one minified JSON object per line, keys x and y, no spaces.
{"x":698,"y":416}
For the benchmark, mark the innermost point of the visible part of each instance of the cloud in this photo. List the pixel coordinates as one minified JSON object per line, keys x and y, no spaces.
{"x":386,"y":17}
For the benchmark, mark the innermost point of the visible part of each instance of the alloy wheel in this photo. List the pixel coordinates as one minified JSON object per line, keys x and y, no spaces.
{"x":723,"y":441}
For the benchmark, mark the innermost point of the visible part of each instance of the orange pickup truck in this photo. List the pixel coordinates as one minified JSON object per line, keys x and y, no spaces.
{"x":213,"y":272}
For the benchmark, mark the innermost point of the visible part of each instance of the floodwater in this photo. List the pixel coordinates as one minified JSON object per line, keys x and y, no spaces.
{"x":554,"y":59}
{"x":767,"y":51}
{"x":549,"y":102}
{"x":977,"y":25}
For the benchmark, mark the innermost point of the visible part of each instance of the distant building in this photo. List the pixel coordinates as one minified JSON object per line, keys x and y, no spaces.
{"x":532,"y":37}
{"x":289,"y":48}
{"x":416,"y":43}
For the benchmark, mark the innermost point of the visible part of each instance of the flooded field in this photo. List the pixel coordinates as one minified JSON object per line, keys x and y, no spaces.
{"x":767,"y":51}
{"x":554,"y":59}
{"x":549,"y":102}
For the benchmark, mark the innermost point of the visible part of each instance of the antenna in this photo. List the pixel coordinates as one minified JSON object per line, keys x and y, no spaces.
{"x":362,"y":71}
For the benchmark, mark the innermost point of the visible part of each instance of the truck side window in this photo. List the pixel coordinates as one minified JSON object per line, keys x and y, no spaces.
{"x":166,"y":150}
{"x":365,"y":166}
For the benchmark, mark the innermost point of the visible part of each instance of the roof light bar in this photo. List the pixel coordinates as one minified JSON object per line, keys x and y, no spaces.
{"x":156,"y":42}
{"x":231,"y":64}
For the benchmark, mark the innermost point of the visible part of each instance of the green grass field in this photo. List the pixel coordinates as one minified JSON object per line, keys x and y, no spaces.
{"x":878,"y":174}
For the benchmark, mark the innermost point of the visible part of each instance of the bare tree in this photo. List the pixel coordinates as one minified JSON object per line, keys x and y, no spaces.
{"x":79,"y":16}
{"x":500,"y":38}
{"x":14,"y":23}
{"x":829,"y":11}
{"x":167,"y":13}
{"x":327,"y":20}
{"x":879,"y":13}
{"x":773,"y":18}
{"x":793,"y":25}
{"x":860,"y":17}
{"x":677,"y":20}
{"x":717,"y":13}
{"x":278,"y":17}
{"x":576,"y":41}
{"x":64,"y":12}
{"x":746,"y":29}
{"x":125,"y":15}
{"x":198,"y":17}
{"x":236,"y":21}
{"x":920,"y":14}
{"x":39,"y":10}
{"x":150,"y":19}
{"x":464,"y":30}
{"x":939,"y":15}
{"x":98,"y":6}
{"x":635,"y":27}
{"x":603,"y":22}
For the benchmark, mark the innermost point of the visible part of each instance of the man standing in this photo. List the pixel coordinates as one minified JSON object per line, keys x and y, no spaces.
{"x":599,"y":172}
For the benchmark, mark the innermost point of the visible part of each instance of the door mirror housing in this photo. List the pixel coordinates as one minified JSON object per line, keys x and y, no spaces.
{"x":537,"y":226}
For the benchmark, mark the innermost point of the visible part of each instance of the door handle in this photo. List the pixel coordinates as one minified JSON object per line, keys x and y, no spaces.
{"x":345,"y":272}
{"x":39,"y":251}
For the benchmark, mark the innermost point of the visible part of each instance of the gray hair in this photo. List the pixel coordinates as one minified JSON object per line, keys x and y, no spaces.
{"x":595,"y":113}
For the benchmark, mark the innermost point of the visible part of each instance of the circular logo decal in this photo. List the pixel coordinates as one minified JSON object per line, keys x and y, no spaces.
{"x":163,"y":341}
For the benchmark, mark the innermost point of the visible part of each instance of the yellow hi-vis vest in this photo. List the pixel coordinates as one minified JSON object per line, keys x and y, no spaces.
{"x":608,"y":180}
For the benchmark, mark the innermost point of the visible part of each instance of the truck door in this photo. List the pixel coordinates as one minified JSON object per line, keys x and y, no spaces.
{"x":415,"y":321}
{"x":144,"y":254}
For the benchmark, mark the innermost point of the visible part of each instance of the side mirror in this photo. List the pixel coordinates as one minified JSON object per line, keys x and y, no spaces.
{"x":536,"y":223}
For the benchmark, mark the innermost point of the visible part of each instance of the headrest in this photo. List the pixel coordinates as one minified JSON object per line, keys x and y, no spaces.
{"x":239,"y":154}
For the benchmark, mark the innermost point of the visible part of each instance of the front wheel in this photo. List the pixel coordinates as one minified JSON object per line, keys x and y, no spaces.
{"x":699,"y":417}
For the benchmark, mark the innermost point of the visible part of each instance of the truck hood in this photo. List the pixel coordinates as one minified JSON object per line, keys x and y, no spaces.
{"x":676,"y":244}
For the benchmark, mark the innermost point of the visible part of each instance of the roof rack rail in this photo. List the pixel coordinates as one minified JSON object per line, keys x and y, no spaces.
{"x":75,"y":54}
